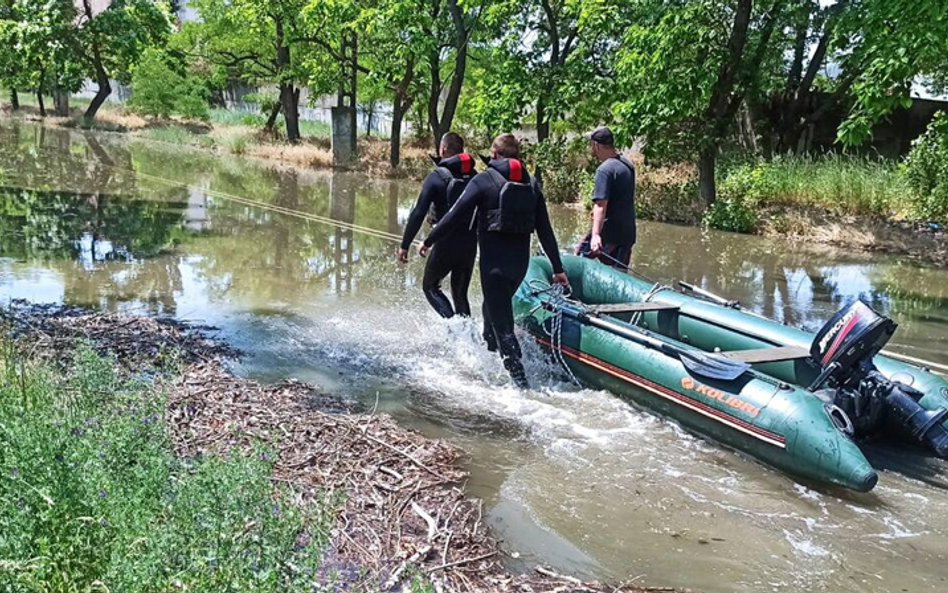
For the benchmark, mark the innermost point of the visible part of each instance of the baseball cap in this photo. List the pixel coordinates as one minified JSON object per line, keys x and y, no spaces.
{"x":603,"y":136}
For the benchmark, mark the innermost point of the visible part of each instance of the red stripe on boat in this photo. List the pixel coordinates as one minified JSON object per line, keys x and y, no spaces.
{"x":679,"y":398}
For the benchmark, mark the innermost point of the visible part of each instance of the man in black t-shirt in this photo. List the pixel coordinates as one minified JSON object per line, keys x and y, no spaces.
{"x":613,"y":227}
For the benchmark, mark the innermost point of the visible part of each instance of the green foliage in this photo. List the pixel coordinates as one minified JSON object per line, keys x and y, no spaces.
{"x":732,"y":214}
{"x":160,"y":91}
{"x":566,"y":169}
{"x":92,"y":497}
{"x":838,"y":184}
{"x":926,"y":170}
{"x":894,"y":43}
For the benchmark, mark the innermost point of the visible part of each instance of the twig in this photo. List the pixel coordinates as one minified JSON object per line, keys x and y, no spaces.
{"x":465,"y":561}
{"x":555,"y":575}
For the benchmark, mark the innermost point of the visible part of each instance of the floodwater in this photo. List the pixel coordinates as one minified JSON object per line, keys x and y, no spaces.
{"x":298,"y":270}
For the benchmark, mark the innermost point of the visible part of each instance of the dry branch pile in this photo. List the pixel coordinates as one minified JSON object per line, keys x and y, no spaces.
{"x":402,"y":510}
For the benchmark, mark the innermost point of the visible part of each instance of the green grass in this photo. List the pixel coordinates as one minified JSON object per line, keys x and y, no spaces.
{"x":178,"y":135}
{"x":92,"y":497}
{"x":227,"y":117}
{"x":839,"y":184}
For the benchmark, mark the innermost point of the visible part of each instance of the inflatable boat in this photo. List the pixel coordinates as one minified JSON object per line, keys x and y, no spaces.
{"x":796,"y":401}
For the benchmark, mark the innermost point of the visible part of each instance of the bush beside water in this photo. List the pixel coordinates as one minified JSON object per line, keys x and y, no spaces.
{"x":92,"y":496}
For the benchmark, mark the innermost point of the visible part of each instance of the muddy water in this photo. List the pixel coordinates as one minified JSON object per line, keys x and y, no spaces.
{"x":297,"y":269}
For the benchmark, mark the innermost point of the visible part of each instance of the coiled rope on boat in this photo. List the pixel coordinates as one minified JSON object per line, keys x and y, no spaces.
{"x":556,"y":298}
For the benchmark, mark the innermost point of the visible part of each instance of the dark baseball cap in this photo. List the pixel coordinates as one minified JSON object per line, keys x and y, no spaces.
{"x":603,"y":136}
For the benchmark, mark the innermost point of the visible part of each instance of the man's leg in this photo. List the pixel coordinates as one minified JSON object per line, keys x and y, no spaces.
{"x":498,"y":296}
{"x":461,"y":274}
{"x":435,"y":271}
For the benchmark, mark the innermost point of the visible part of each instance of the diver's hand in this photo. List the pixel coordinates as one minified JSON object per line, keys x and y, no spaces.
{"x":561,"y":279}
{"x":423,"y":250}
{"x":403,"y":255}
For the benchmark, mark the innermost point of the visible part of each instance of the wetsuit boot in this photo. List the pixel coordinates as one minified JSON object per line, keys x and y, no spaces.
{"x":510,"y":352}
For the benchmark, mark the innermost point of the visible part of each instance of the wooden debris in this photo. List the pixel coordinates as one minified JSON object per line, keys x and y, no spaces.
{"x":321,"y":449}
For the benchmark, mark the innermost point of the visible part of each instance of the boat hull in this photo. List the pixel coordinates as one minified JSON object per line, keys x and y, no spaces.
{"x":767,"y":414}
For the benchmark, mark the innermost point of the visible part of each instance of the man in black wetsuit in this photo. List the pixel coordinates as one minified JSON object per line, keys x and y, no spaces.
{"x":613,"y":227}
{"x":455,"y":254}
{"x":509,"y":208}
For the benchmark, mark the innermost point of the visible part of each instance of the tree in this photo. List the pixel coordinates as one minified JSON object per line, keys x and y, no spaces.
{"x":397,"y":43}
{"x":683,"y":72}
{"x":257,"y":41}
{"x":896,"y":43}
{"x":159,"y":90}
{"x":110,"y":42}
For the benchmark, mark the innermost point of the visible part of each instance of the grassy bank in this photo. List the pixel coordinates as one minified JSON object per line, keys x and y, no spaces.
{"x":229,"y":132}
{"x":93,"y":497}
{"x":132,"y":460}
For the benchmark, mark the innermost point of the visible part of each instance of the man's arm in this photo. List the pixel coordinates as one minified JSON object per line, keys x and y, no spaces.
{"x":459,"y":214}
{"x":546,"y":235}
{"x":429,"y":189}
{"x":600,"y":203}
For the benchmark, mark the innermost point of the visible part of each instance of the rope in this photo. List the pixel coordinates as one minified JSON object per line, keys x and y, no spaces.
{"x":377,"y":233}
{"x":555,"y":301}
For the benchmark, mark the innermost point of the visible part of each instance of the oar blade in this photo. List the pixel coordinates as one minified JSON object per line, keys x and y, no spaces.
{"x":713,"y":367}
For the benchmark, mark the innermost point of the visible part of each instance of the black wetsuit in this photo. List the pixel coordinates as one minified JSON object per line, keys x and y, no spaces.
{"x":504,"y":258}
{"x":455,"y":254}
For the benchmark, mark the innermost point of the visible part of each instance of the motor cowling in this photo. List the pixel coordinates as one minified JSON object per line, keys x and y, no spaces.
{"x":844,"y":349}
{"x":854,"y":335}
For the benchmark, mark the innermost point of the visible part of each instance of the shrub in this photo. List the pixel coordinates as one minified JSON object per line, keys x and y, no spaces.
{"x":926,"y":170}
{"x":92,"y":496}
{"x":732,"y":214}
{"x":159,"y":91}
{"x":566,"y":169}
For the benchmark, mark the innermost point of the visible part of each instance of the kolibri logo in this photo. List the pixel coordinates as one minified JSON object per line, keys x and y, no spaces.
{"x":727,"y":399}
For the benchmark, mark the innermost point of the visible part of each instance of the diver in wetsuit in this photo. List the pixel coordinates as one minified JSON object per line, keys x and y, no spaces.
{"x":455,"y":254}
{"x":509,"y":208}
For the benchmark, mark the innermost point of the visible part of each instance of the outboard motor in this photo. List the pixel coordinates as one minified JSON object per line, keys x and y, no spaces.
{"x":844,"y":349}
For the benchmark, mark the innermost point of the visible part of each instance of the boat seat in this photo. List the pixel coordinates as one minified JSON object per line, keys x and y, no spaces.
{"x":611,"y":308}
{"x":772,"y":354}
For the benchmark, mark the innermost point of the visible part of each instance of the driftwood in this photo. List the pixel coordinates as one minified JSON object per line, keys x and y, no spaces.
{"x":402,"y":509}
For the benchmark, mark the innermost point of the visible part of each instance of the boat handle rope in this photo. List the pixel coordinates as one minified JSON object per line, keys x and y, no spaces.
{"x":556,"y":294}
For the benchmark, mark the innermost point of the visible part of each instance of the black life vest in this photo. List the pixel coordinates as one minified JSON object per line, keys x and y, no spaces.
{"x":516,"y":204}
{"x":455,"y":187}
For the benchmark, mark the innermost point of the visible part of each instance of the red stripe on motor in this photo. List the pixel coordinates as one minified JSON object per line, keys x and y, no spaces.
{"x":840,"y":338}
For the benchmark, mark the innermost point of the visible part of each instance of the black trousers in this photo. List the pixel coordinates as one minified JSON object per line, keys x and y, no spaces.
{"x":454,"y":256}
{"x":499,"y":322}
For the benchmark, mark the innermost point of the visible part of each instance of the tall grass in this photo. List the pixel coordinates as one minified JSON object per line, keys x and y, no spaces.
{"x":230,"y":117}
{"x":92,"y":497}
{"x":839,"y":184}
{"x":173,"y":134}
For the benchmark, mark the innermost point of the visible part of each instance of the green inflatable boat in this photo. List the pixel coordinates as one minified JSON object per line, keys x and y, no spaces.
{"x":796,"y":401}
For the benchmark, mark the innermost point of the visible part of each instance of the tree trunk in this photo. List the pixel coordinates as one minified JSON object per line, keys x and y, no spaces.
{"x":61,"y":101}
{"x":289,"y":100}
{"x":289,"y":96}
{"x":395,"y":143}
{"x":353,"y":89}
{"x":272,"y":118}
{"x":105,"y":89}
{"x":707,"y":189}
{"x":543,"y":122}
{"x":14,"y":99}
{"x":441,"y":123}
{"x":39,"y":102}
